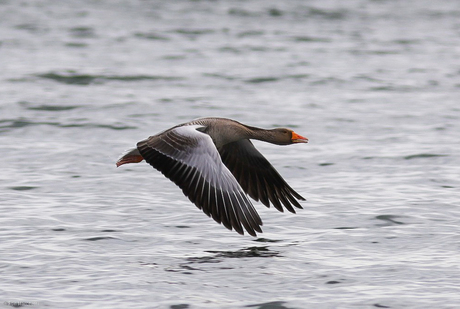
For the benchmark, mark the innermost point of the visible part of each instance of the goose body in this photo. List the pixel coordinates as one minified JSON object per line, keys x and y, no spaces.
{"x":216,"y":165}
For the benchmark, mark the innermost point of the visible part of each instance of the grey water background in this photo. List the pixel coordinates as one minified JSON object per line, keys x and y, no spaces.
{"x":374,"y":85}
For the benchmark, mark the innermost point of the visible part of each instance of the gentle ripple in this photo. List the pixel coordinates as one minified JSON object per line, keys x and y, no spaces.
{"x":373,"y":84}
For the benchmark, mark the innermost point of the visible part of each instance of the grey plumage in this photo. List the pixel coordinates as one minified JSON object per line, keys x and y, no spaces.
{"x":215,"y":164}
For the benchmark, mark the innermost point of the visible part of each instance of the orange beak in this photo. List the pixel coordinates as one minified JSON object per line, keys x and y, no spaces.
{"x":296,"y":138}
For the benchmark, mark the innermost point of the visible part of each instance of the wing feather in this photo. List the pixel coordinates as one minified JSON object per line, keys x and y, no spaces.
{"x":189,"y":158}
{"x":257,"y":176}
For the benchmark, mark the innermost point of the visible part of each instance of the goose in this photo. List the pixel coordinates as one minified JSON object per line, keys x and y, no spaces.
{"x":217,"y":166}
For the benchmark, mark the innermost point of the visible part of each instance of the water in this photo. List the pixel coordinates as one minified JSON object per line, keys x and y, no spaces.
{"x":374,"y":85}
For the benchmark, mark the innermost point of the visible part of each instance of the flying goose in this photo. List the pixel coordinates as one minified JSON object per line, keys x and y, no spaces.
{"x":216,"y":165}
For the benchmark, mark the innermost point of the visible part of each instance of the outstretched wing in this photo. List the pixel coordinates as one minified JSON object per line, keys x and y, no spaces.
{"x":189,"y":158}
{"x":257,"y":176}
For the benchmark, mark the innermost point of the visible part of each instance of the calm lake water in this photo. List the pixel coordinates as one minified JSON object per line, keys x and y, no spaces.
{"x":374,"y":85}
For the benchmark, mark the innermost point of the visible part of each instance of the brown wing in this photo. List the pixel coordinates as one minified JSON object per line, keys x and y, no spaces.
{"x":257,"y":176}
{"x":190,"y":159}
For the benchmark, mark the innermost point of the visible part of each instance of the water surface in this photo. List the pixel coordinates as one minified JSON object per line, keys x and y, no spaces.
{"x":374,"y":85}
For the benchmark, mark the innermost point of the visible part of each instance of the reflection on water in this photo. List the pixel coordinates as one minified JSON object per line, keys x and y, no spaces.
{"x":389,"y":220}
{"x":247,"y":252}
{"x":271,"y":305}
{"x":193,"y":263}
